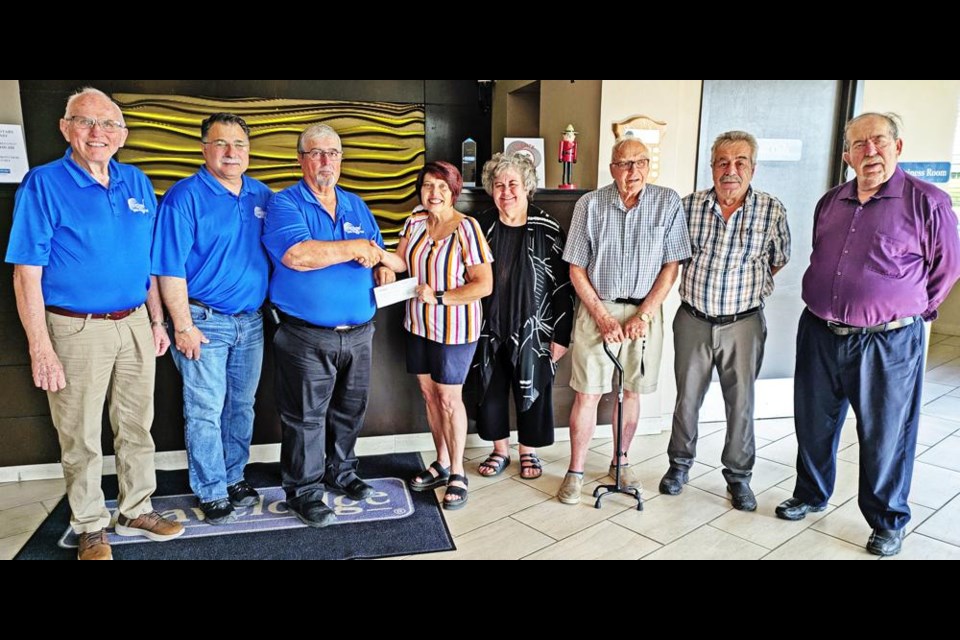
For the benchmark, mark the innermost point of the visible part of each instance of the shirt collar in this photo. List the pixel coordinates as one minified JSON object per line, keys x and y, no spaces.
{"x":892,"y":188}
{"x":748,"y":198}
{"x":342,"y":203}
{"x":84,"y":179}
{"x":214,"y":185}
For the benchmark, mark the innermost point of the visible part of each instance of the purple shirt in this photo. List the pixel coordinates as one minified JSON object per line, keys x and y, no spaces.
{"x":894,"y":256}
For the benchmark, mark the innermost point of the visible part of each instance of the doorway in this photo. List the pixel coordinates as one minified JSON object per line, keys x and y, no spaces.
{"x":798,"y":124}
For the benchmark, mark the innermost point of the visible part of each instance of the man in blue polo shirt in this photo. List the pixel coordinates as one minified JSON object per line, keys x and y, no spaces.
{"x":80,"y":243}
{"x":213,"y":275}
{"x":324,"y":243}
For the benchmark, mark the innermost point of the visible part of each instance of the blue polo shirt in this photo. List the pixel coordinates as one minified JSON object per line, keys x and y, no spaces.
{"x":211,"y":237}
{"x":338,"y":294}
{"x":93,"y":242}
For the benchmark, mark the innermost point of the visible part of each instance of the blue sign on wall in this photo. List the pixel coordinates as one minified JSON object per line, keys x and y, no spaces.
{"x":929,"y":171}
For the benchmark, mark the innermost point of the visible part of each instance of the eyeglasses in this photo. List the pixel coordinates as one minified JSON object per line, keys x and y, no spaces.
{"x":880,"y":142}
{"x":626,"y":165}
{"x":81,"y":122}
{"x":330,"y":154}
{"x":239,"y":145}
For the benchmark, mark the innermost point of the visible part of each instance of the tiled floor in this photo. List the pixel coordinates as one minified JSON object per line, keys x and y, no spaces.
{"x":513,"y":518}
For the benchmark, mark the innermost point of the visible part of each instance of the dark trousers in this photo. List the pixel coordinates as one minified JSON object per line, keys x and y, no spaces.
{"x":534,"y":426}
{"x":880,"y":375}
{"x":735,"y":350}
{"x":322,"y":379}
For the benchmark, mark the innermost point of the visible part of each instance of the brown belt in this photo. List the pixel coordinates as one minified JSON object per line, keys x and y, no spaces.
{"x":113,"y":315}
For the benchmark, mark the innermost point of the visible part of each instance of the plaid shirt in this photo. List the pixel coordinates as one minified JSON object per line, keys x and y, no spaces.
{"x":624,"y":250}
{"x":730,"y":270}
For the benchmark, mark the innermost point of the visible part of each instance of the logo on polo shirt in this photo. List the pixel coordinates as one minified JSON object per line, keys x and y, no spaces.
{"x":352,"y":228}
{"x":137,"y":207}
{"x":259,"y":213}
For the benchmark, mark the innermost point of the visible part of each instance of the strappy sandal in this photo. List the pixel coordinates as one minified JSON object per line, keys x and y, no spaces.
{"x":424,"y":481}
{"x":459,"y":492}
{"x":530,"y":461}
{"x":496,"y":461}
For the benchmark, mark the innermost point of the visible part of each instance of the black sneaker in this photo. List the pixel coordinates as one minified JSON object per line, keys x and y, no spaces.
{"x":242,"y":494}
{"x":218,"y":511}
{"x":313,"y":514}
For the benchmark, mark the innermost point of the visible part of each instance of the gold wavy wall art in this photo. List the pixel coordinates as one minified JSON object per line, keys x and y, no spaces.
{"x":383,"y":144}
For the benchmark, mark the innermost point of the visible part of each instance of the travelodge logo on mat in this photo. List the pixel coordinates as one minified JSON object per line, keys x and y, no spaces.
{"x":391,"y":501}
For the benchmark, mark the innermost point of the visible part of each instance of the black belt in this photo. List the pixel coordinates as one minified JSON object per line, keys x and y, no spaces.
{"x":720,"y":319}
{"x":207,"y":307}
{"x":299,"y":322}
{"x":634,"y":301}
{"x":840,"y":329}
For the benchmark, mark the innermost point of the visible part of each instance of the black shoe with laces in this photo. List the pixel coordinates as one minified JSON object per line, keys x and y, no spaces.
{"x":242,"y":494}
{"x":218,"y":511}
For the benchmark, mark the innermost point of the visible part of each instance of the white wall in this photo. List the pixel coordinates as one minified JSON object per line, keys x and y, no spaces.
{"x":10,"y":102}
{"x":676,"y":102}
{"x":929,"y":111}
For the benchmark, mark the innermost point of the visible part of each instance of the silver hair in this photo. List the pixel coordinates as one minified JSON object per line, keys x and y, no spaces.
{"x":318,"y":131}
{"x":501,"y":162}
{"x":624,"y":140}
{"x":894,"y":121}
{"x":87,"y":92}
{"x":730,"y":137}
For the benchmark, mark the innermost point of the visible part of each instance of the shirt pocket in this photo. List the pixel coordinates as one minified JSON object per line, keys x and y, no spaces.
{"x":889,"y":256}
{"x":753,"y":241}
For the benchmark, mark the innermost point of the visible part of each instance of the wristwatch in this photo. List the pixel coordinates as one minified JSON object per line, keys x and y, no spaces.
{"x":646,"y":317}
{"x":439,"y":296}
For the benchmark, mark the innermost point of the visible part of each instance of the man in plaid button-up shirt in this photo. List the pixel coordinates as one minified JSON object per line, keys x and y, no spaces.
{"x":739,"y":239}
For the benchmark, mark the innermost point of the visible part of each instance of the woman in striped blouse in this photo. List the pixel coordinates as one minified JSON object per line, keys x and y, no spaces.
{"x":447,"y":253}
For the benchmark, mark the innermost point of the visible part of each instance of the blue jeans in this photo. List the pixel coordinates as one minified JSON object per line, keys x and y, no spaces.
{"x":218,"y":394}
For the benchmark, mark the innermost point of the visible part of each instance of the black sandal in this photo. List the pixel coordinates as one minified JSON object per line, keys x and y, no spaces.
{"x":530,"y":461}
{"x":496,"y":461}
{"x":431,"y":481}
{"x":459,"y":492}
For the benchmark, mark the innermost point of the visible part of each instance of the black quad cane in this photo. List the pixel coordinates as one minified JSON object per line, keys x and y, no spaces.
{"x":606,"y":489}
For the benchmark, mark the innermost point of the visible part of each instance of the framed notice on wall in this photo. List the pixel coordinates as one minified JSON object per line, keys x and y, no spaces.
{"x":533,"y":149}
{"x":13,"y":154}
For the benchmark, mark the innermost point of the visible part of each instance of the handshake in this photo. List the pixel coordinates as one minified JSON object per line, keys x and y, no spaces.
{"x":367,"y":253}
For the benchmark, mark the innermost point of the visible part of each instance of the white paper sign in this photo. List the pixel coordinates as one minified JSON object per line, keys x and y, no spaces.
{"x":395,"y":292}
{"x":13,"y":153}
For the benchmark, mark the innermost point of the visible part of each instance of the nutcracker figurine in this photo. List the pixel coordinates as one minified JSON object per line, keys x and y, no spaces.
{"x":568,"y":156}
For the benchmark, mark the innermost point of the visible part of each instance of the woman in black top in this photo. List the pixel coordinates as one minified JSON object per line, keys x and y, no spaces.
{"x":526,"y":322}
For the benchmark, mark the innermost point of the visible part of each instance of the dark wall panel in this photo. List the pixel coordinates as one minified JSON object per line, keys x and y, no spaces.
{"x":28,"y":441}
{"x":452,"y":114}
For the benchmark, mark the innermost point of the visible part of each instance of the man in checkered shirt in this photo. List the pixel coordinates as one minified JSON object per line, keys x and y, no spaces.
{"x":625,"y":245}
{"x":739,"y":239}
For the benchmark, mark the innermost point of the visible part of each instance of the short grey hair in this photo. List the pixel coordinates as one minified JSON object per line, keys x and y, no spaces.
{"x":317,"y":131}
{"x":731,"y":137}
{"x":88,"y":92}
{"x":894,"y":121}
{"x":502,"y":162}
{"x":624,"y":140}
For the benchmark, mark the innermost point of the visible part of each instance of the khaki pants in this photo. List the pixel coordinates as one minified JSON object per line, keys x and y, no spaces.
{"x":114,"y":360}
{"x":593,"y":369}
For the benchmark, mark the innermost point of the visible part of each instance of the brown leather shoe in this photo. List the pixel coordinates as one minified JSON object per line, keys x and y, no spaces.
{"x":149,"y":525}
{"x":94,"y":546}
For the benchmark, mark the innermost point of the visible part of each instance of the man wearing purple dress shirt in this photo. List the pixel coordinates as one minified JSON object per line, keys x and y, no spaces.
{"x":885,"y":254}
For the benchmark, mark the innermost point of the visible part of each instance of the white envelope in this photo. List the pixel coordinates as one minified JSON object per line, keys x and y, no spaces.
{"x":395,"y":292}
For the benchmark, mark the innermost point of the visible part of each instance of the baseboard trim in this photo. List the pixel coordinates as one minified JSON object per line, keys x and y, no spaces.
{"x":366,"y":446}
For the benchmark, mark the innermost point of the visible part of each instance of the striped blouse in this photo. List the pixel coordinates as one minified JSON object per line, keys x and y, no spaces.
{"x":443,"y":266}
